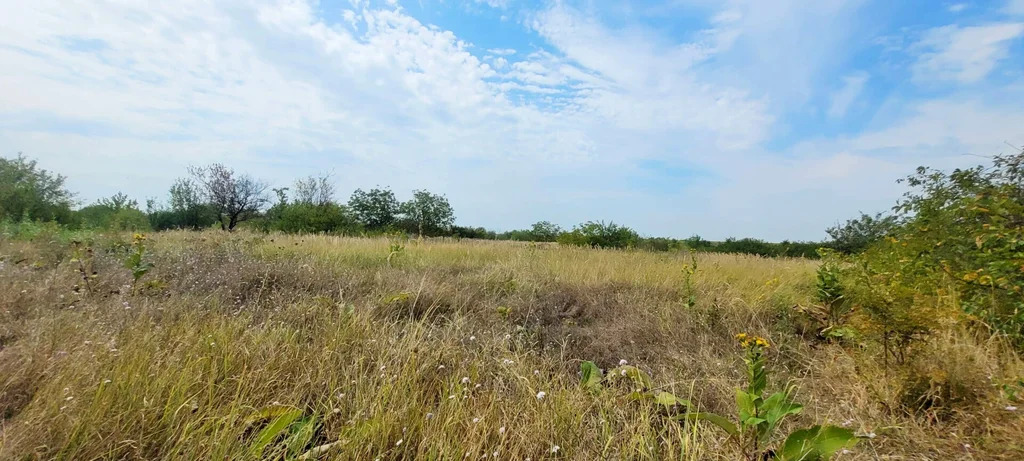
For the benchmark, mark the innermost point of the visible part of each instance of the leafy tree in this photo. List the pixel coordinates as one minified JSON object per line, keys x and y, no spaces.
{"x":304,"y":217}
{"x":473,"y":233}
{"x":117,"y":212}
{"x":234,"y":197}
{"x":599,"y":234}
{"x":427,"y":213}
{"x":30,"y":192}
{"x":376,"y":209}
{"x":856,"y":234}
{"x":544,"y":231}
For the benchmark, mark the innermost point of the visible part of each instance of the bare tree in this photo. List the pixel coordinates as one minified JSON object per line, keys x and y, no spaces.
{"x":235,"y":197}
{"x":315,"y":190}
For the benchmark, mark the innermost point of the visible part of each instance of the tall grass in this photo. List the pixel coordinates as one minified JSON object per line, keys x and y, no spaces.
{"x":412,"y":359}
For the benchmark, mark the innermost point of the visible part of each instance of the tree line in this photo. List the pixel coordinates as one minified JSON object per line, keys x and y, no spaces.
{"x":217,"y":196}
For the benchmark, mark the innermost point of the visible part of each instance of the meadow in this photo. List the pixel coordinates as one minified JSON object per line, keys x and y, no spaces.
{"x":270,"y":346}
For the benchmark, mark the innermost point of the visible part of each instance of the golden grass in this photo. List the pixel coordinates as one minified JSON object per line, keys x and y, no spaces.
{"x":411,"y":359}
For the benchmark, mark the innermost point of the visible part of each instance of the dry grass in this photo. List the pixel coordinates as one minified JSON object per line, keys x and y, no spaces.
{"x":377,"y":351}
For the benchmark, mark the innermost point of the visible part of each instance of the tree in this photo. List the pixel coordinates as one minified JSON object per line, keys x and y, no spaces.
{"x":315,"y":190}
{"x":328,"y":218}
{"x":856,"y":234}
{"x":27,"y":191}
{"x":376,"y":209}
{"x":234,"y":197}
{"x":600,"y":235}
{"x":545,"y":231}
{"x":117,"y":212}
{"x":429,"y":214}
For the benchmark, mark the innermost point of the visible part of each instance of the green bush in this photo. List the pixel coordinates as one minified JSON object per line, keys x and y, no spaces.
{"x":600,"y":235}
{"x":327,"y":218}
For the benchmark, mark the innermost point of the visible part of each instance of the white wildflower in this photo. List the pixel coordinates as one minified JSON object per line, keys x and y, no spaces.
{"x":541,"y":395}
{"x":465,"y":380}
{"x":1011,"y":408}
{"x":623,"y":362}
{"x":399,"y":442}
{"x":501,"y":430}
{"x":555,"y":448}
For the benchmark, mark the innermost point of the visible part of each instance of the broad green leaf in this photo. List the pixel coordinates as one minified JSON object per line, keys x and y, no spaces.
{"x":592,"y":376}
{"x":712,"y":418}
{"x":775,"y":408}
{"x":273,"y":431}
{"x":745,"y":405}
{"x":816,"y":443}
{"x":668,"y":399}
{"x":303,"y":431}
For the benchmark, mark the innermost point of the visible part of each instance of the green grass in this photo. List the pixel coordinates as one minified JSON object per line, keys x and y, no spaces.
{"x":247,"y":346}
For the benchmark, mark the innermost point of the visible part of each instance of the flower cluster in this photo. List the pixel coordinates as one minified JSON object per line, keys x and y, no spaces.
{"x":748,"y":341}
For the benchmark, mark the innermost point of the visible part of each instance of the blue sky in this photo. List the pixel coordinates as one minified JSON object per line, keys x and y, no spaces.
{"x":771,"y":119}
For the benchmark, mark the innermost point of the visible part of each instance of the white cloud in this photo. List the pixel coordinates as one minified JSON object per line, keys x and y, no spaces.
{"x":845,"y":96}
{"x":956,"y":7}
{"x":963,"y":54}
{"x":123,"y":96}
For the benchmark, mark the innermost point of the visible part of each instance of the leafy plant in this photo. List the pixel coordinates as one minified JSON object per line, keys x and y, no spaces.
{"x":135,"y":262}
{"x":394,"y":250}
{"x":759,"y":417}
{"x":593,"y":379}
{"x":688,"y":273}
{"x":285,"y":430}
{"x":830,"y":314}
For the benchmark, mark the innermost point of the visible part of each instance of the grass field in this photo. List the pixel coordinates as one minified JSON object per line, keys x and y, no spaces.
{"x":441,"y":350}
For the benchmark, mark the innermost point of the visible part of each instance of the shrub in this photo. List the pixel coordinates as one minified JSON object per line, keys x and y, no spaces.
{"x":600,"y":235}
{"x":328,"y":218}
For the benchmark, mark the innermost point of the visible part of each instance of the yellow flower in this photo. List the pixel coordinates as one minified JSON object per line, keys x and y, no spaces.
{"x":741,"y":336}
{"x":138,"y":237}
{"x":761,"y":342}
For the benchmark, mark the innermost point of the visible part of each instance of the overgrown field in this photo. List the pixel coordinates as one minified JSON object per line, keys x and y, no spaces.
{"x":246,"y":346}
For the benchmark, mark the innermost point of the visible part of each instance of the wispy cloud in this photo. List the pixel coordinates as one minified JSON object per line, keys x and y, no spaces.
{"x":562,"y":121}
{"x":963,"y":54}
{"x":847,"y":94}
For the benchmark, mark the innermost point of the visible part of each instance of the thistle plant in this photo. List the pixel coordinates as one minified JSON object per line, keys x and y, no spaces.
{"x":759,"y":417}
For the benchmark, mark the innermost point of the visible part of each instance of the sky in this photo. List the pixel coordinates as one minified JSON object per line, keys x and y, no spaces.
{"x":771,"y":119}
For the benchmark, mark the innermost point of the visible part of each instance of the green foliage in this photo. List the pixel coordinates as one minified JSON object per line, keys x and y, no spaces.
{"x":759,"y":417}
{"x":188,"y":210}
{"x":376,"y":209}
{"x":598,"y":234}
{"x":303,"y":217}
{"x":118,"y":213}
{"x":394,"y":250}
{"x":427,"y":214}
{"x":689,"y":271}
{"x":592,"y":379}
{"x":28,"y":192}
{"x":591,"y":376}
{"x":829,"y":317}
{"x":136,"y":262}
{"x":816,"y":443}
{"x":856,"y":234}
{"x":286,"y":432}
{"x":959,"y":255}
